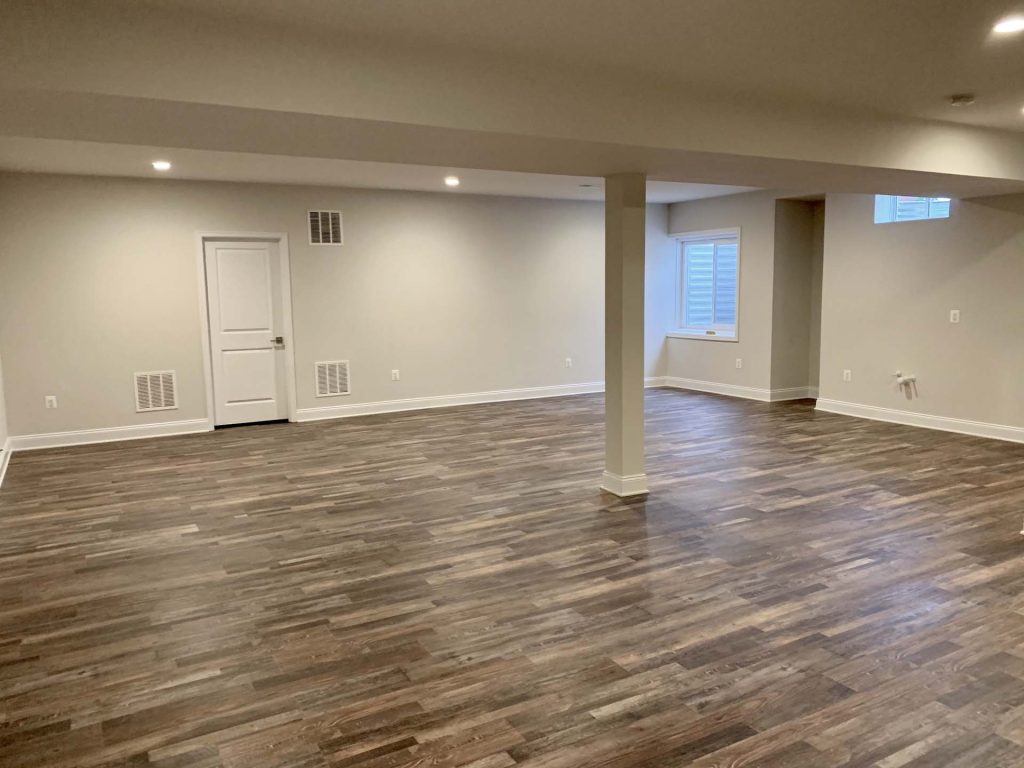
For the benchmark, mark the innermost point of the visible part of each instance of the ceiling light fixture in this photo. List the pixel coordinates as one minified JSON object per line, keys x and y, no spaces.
{"x":1009,"y":26}
{"x":451,"y":181}
{"x":161,"y":165}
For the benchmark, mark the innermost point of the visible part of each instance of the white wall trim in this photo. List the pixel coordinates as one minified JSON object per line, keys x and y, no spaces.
{"x":793,"y":393}
{"x":735,"y":390}
{"x":624,"y":486}
{"x":193,"y":426}
{"x":911,"y":419}
{"x":106,"y":435}
{"x":5,"y":459}
{"x":446,"y":401}
{"x":714,"y":387}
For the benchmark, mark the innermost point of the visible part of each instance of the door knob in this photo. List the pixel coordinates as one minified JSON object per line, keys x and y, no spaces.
{"x":278,"y":340}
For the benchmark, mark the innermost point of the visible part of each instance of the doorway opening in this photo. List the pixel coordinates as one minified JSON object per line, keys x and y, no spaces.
{"x":249,"y":363}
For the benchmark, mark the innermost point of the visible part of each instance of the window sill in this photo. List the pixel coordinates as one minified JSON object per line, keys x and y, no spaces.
{"x":701,"y":336}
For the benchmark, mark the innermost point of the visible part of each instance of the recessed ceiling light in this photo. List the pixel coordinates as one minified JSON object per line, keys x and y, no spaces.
{"x":451,"y":181}
{"x":1010,"y":25}
{"x":161,"y":165}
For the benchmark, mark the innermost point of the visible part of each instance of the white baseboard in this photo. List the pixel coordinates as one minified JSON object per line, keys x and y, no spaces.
{"x":734,"y":390}
{"x":141,"y":431}
{"x":793,"y":393}
{"x":911,"y":419}
{"x":107,"y":435}
{"x":5,"y":459}
{"x":447,"y":401}
{"x":624,"y":486}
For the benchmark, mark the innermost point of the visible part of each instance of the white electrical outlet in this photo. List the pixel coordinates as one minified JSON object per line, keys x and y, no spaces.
{"x":739,"y":362}
{"x":51,"y":401}
{"x":568,"y":362}
{"x":395,"y":376}
{"x":954,"y":315}
{"x":847,"y":374}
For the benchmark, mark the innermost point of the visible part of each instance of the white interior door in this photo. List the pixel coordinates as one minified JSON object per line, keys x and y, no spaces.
{"x":244,"y":298}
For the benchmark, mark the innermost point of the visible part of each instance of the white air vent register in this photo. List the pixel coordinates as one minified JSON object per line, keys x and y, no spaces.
{"x":156,"y":391}
{"x":325,"y":228}
{"x":332,"y":378}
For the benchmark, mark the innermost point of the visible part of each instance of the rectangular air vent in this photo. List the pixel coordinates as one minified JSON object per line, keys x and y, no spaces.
{"x":332,"y":378}
{"x":325,"y":228}
{"x":156,"y":391}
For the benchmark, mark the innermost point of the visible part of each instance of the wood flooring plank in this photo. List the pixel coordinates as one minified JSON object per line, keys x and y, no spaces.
{"x":450,"y":588}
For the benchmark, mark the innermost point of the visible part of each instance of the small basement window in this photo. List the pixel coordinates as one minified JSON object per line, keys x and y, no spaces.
{"x":709,"y":268}
{"x":894,"y":208}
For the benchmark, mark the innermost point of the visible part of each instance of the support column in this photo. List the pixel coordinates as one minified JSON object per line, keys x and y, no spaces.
{"x":625,"y":198}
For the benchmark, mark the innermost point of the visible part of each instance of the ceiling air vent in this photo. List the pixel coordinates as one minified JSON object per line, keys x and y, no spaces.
{"x":332,"y":378}
{"x":325,"y":228}
{"x":156,"y":391}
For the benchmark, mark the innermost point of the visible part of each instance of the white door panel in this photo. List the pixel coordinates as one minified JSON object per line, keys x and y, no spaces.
{"x":249,"y":375}
{"x":243,"y":288}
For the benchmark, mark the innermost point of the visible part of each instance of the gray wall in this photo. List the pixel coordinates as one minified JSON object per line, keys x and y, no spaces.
{"x":817,"y":265}
{"x":3,"y":409}
{"x":776,"y":292}
{"x":886,"y":296}
{"x":462,"y":293}
{"x":715,"y":361}
{"x":792,"y":293}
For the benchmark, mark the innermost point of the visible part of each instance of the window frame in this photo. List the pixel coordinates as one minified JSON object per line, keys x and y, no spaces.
{"x":714,"y":331}
{"x":893,"y":206}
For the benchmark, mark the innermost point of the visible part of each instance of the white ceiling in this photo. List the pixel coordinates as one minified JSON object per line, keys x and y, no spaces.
{"x":96,"y":159}
{"x":900,"y":57}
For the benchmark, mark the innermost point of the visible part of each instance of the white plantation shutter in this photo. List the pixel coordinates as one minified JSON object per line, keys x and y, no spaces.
{"x":699,"y":284}
{"x":710,"y":285}
{"x":726,"y":282}
{"x":891,"y":208}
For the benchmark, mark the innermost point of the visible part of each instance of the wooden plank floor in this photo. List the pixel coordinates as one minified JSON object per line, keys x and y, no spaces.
{"x":448,"y":588}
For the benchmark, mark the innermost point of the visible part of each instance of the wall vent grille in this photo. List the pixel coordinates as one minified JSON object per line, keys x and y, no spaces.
{"x":332,"y":378}
{"x":325,"y":228}
{"x":156,"y":391}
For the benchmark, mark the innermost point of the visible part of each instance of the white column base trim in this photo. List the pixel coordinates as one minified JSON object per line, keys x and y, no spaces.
{"x":927,"y":421}
{"x":749,"y":393}
{"x":5,"y":459}
{"x":624,"y":486}
{"x":107,"y":435}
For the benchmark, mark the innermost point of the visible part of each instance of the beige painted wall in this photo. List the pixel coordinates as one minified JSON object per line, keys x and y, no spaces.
{"x":817,"y":263}
{"x":715,"y":361}
{"x":3,"y":409}
{"x":462,"y":293}
{"x":659,"y":290}
{"x":886,"y":296}
{"x":791,"y":293}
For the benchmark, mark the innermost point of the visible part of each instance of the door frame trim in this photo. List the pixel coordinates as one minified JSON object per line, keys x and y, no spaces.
{"x":284,"y":265}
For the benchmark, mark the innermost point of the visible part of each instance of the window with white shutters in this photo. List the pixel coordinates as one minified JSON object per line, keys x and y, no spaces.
{"x":709,"y":287}
{"x":894,"y":208}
